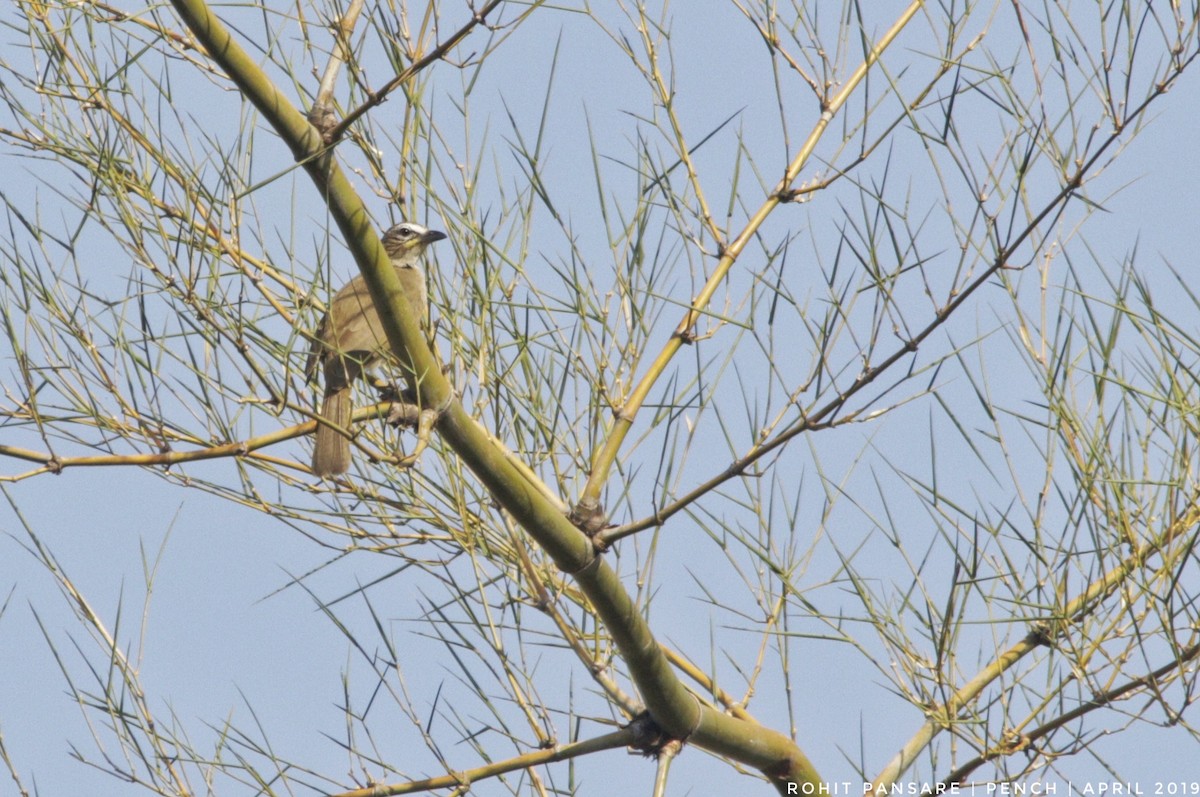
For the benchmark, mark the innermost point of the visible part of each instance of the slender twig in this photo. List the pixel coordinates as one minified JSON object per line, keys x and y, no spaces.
{"x":1028,"y":740}
{"x":943,"y":716}
{"x":823,"y":416}
{"x":321,"y":114}
{"x":605,"y":456}
{"x":378,"y":97}
{"x":465,"y":777}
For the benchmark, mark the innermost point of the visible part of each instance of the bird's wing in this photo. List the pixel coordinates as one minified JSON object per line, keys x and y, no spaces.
{"x":311,"y":366}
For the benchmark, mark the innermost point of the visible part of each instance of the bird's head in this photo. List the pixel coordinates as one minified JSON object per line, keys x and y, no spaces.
{"x":409,"y":239}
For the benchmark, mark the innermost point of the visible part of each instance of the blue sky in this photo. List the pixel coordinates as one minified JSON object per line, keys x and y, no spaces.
{"x":202,"y":591}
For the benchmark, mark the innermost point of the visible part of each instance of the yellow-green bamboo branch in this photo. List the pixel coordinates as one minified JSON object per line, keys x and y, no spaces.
{"x":676,"y":711}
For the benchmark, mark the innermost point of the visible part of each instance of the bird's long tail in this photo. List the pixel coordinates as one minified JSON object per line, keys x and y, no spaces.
{"x":331,"y":451}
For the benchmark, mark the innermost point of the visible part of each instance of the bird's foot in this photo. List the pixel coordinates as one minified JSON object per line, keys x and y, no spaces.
{"x":423,"y":419}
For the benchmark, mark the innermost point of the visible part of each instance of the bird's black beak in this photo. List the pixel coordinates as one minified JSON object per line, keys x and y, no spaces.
{"x":432,"y":235}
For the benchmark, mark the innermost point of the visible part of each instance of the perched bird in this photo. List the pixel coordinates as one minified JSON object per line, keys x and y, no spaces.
{"x":351,"y":339}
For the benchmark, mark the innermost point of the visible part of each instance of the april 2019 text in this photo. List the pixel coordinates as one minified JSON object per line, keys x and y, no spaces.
{"x":1034,"y":789}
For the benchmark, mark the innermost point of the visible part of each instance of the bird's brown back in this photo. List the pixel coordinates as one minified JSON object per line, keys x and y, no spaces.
{"x":351,"y":335}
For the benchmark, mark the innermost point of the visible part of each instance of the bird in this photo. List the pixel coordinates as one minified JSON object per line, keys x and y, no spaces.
{"x":350,"y":339}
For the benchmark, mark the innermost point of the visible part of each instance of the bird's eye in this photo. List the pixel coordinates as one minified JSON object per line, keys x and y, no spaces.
{"x":405,"y":232}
